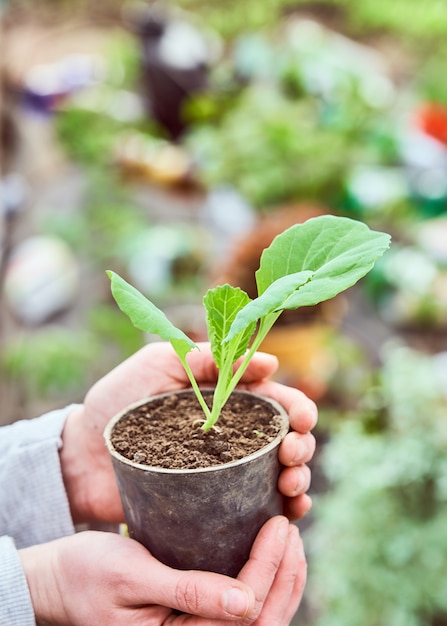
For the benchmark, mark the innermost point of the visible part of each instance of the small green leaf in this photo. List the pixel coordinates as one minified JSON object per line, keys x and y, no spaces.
{"x":274,"y":299}
{"x":146,"y":316}
{"x":222,"y":304}
{"x":338,"y":250}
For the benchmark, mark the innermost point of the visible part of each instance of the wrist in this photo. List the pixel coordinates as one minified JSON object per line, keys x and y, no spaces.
{"x":38,"y":567}
{"x":74,"y":467}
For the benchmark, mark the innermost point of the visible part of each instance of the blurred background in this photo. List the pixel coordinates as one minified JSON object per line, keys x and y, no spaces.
{"x":171,"y":143}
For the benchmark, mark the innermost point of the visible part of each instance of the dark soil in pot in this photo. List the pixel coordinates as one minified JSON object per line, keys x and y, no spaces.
{"x":167,"y":432}
{"x":197,"y":499}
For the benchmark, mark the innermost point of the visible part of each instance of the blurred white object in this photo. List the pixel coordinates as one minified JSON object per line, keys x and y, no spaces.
{"x":45,"y":84}
{"x":167,"y":260}
{"x":228,"y":215}
{"x":329,"y":61}
{"x":42,"y":279}
{"x":13,"y":191}
{"x":431,"y":236}
{"x":183,"y":46}
{"x":377,"y":186}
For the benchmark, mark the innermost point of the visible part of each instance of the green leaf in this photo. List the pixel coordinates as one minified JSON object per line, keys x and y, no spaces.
{"x":222,"y":304}
{"x":146,"y":316}
{"x":274,"y":299}
{"x":338,"y":250}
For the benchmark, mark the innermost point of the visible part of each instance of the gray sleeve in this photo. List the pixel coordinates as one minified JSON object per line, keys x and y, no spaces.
{"x":15,"y":601}
{"x":33,"y":503}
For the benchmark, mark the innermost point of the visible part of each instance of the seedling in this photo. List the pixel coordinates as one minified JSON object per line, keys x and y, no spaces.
{"x":306,"y":264}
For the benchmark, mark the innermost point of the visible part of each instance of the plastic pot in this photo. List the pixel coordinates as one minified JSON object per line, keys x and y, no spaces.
{"x":203,"y":518}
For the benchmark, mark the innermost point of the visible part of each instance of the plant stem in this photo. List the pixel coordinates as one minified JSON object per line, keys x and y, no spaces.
{"x":220,"y":397}
{"x":264,"y":328}
{"x":227,"y":383}
{"x":197,"y":391}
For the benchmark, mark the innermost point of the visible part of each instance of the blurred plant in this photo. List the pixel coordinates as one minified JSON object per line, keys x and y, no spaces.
{"x":272,"y":150}
{"x":424,"y":22}
{"x":169,"y":262}
{"x":87,"y":123}
{"x":112,"y":330}
{"x":377,"y":543}
{"x":59,"y":363}
{"x":350,"y":377}
{"x":409,"y":288}
{"x":303,"y":115}
{"x":105,"y":223}
{"x":427,"y":75}
{"x":51,"y":362}
{"x":88,"y":136}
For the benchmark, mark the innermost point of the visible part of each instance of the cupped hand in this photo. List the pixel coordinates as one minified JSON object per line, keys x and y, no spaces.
{"x":154,"y":369}
{"x":102,"y":578}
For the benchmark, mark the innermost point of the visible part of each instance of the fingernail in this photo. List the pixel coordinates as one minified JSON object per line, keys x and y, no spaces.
{"x":297,"y":541}
{"x":300,"y":482}
{"x":236,"y":602}
{"x":314,"y":414}
{"x":300,"y":451}
{"x":283,"y":529}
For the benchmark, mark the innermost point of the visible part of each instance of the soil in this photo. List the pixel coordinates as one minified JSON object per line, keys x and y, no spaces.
{"x":168,"y":434}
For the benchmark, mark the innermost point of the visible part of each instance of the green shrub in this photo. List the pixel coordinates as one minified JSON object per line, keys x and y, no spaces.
{"x":378,"y":542}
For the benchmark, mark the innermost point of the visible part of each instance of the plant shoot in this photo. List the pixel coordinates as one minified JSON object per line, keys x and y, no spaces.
{"x":306,"y":264}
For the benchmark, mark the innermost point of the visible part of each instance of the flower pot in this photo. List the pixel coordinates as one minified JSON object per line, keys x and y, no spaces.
{"x":204,"y":518}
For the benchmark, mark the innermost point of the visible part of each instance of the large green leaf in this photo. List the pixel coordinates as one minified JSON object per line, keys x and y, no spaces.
{"x":274,"y":299}
{"x":338,"y":250}
{"x":146,"y":316}
{"x":222,"y":304}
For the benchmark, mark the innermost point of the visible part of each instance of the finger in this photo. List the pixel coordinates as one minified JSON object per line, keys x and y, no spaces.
{"x":302,"y":411}
{"x":202,"y":363}
{"x":298,"y":507}
{"x":300,"y":584}
{"x":298,"y":556}
{"x":261,"y":366}
{"x":293,"y":481}
{"x":265,"y":558}
{"x":296,"y":449}
{"x":303,"y":414}
{"x":287,"y":589}
{"x":205,"y":594}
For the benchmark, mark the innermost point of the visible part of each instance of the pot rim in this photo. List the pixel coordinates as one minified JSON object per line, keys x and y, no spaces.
{"x":212,"y":468}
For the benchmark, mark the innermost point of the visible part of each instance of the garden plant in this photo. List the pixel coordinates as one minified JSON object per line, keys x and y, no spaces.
{"x":306,"y":264}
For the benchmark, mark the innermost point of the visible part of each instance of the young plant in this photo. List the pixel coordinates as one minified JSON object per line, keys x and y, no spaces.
{"x":306,"y":264}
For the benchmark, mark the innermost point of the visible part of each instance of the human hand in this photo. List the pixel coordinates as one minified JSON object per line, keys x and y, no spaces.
{"x":103,"y":578}
{"x":86,"y":466}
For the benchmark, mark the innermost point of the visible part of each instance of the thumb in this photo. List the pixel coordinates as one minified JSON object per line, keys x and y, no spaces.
{"x":204,"y":594}
{"x":261,"y":366}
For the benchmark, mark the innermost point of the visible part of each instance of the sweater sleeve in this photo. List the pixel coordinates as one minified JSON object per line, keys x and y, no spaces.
{"x":33,"y":503}
{"x":16,"y":608}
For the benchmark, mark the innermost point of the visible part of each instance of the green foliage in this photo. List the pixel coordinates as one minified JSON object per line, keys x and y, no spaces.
{"x":88,"y":136}
{"x":422,"y":20}
{"x":272,"y":149}
{"x":319,"y":258}
{"x":222,"y":305}
{"x":332,"y":247}
{"x":63,"y":362}
{"x":68,"y":359}
{"x":429,"y":69}
{"x":377,"y":544}
{"x":114,"y":332}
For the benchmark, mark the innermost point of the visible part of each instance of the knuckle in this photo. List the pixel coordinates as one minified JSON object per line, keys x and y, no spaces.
{"x":305,"y":478}
{"x":311,"y":444}
{"x":188,"y":596}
